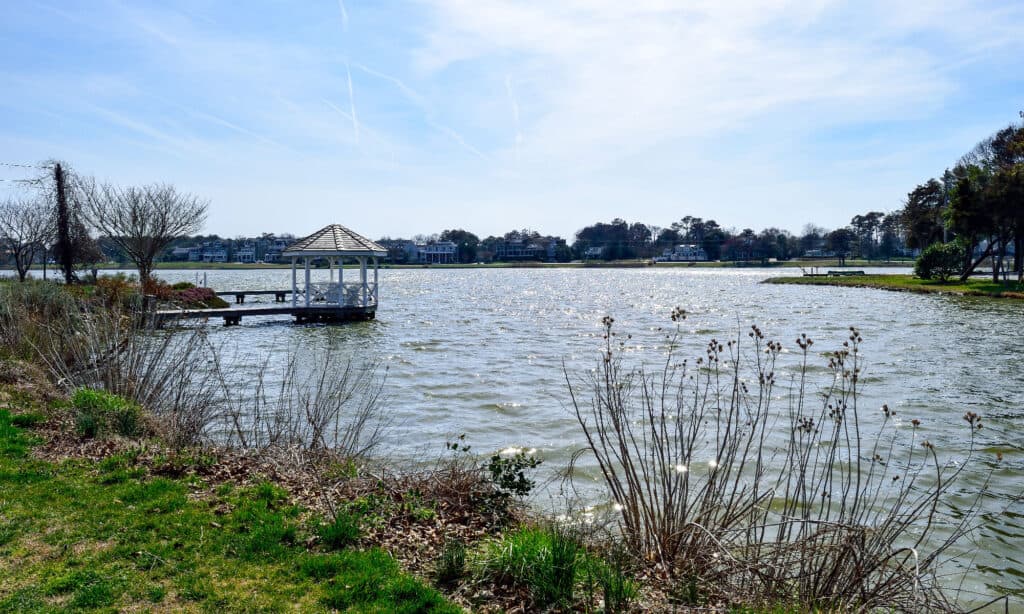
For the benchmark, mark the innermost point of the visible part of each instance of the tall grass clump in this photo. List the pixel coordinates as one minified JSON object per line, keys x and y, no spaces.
{"x":544,"y":561}
{"x":764,"y":493}
{"x":97,"y":411}
{"x":27,"y":311}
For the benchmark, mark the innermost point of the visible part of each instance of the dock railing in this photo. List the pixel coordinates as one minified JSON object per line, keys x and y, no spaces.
{"x":331,"y":294}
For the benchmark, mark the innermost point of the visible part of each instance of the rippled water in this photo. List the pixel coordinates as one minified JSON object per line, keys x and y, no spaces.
{"x":481,"y":351}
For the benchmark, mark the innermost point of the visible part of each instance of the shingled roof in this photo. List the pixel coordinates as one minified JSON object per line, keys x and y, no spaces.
{"x":334,"y":240}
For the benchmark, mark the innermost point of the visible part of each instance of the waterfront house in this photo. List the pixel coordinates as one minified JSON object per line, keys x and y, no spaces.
{"x":437,"y":252}
{"x":684,"y":253}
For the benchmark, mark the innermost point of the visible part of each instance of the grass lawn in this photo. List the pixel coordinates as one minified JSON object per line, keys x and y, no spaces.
{"x":87,"y":536}
{"x":909,"y":283}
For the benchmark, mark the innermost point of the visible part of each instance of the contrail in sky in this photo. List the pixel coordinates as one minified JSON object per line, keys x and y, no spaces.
{"x":352,"y":104}
{"x":420,"y":102}
{"x":409,"y":93}
{"x":515,"y":112}
{"x":344,"y":15}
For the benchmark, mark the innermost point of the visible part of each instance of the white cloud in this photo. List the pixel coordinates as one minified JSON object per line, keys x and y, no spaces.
{"x":612,"y":79}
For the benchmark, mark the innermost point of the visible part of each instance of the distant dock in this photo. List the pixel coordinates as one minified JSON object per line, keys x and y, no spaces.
{"x":303,"y":315}
{"x":331,"y":301}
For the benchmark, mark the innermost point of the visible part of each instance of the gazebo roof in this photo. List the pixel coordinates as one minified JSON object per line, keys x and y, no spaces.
{"x":334,"y":240}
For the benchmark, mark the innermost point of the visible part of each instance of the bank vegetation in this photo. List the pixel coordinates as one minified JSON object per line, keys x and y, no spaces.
{"x":146,"y":469}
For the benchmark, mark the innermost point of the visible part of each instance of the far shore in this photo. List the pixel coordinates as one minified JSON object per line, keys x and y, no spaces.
{"x":908,"y":283}
{"x":612,"y":264}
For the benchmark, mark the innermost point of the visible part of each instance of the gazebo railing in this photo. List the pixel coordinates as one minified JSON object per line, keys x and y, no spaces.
{"x":326,"y":294}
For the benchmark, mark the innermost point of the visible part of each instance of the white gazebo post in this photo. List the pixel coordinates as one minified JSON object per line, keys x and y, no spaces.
{"x":307,"y":280}
{"x":362,"y":277}
{"x":341,"y":281}
{"x":376,"y":285}
{"x":295,"y":284}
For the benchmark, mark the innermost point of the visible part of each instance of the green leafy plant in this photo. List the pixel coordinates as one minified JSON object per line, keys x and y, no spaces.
{"x":940,"y":261}
{"x":508,"y":473}
{"x":97,"y":411}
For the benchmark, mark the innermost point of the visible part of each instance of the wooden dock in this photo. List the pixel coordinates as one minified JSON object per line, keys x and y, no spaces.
{"x":316,"y":312}
{"x":279,"y":295}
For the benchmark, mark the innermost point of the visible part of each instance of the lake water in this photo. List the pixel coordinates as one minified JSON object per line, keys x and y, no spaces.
{"x":481,"y":352}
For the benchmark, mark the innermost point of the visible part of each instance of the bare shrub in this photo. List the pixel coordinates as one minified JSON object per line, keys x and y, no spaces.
{"x":117,"y":350}
{"x":26,"y":226}
{"x":316,"y":401}
{"x":790,"y":501}
{"x":141,"y":221}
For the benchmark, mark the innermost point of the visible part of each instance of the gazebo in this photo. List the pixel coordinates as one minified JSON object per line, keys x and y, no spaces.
{"x":335,"y":244}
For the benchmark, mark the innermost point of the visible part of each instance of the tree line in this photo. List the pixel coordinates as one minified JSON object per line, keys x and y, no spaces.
{"x":61,"y":211}
{"x":874,"y":235}
{"x":974,"y":212}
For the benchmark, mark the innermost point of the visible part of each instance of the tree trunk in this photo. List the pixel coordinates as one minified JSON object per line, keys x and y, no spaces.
{"x":997,"y":259}
{"x":1018,"y":258}
{"x":63,"y":226}
{"x":974,"y":264}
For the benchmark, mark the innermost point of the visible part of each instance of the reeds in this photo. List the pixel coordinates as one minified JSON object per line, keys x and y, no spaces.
{"x":760,"y":501}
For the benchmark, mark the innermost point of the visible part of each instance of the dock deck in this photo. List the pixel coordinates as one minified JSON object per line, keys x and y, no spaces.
{"x":318,"y":311}
{"x":302,"y":314}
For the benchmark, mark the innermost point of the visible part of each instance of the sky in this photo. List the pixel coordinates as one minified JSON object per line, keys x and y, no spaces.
{"x":405,"y":118}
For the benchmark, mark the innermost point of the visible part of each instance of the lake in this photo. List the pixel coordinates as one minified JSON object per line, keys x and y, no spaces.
{"x":480,"y":352}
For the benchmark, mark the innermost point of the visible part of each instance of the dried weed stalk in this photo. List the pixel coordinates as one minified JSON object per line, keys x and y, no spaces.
{"x":719,"y":484}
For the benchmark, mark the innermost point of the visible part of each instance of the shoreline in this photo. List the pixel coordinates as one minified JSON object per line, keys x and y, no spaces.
{"x":909,"y":283}
{"x":613,"y":264}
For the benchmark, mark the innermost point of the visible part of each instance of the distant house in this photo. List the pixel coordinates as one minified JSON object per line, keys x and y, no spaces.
{"x":217,"y":252}
{"x":593,"y":253}
{"x":181,"y":253}
{"x":273,"y":247}
{"x":536,"y":248}
{"x":400,"y":251}
{"x":684,"y":253}
{"x":246,"y":253}
{"x":438,"y":252}
{"x":208,"y":251}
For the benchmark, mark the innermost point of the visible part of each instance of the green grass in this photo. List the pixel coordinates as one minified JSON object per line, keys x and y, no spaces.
{"x":83,"y":536}
{"x":909,"y":283}
{"x":98,"y":411}
{"x":552,"y":564}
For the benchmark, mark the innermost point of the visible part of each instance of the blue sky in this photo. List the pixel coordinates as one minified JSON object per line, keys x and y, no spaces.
{"x":398,"y":118}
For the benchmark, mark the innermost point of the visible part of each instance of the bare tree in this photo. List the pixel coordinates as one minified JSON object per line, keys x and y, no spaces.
{"x":25,"y":228}
{"x":142,"y":221}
